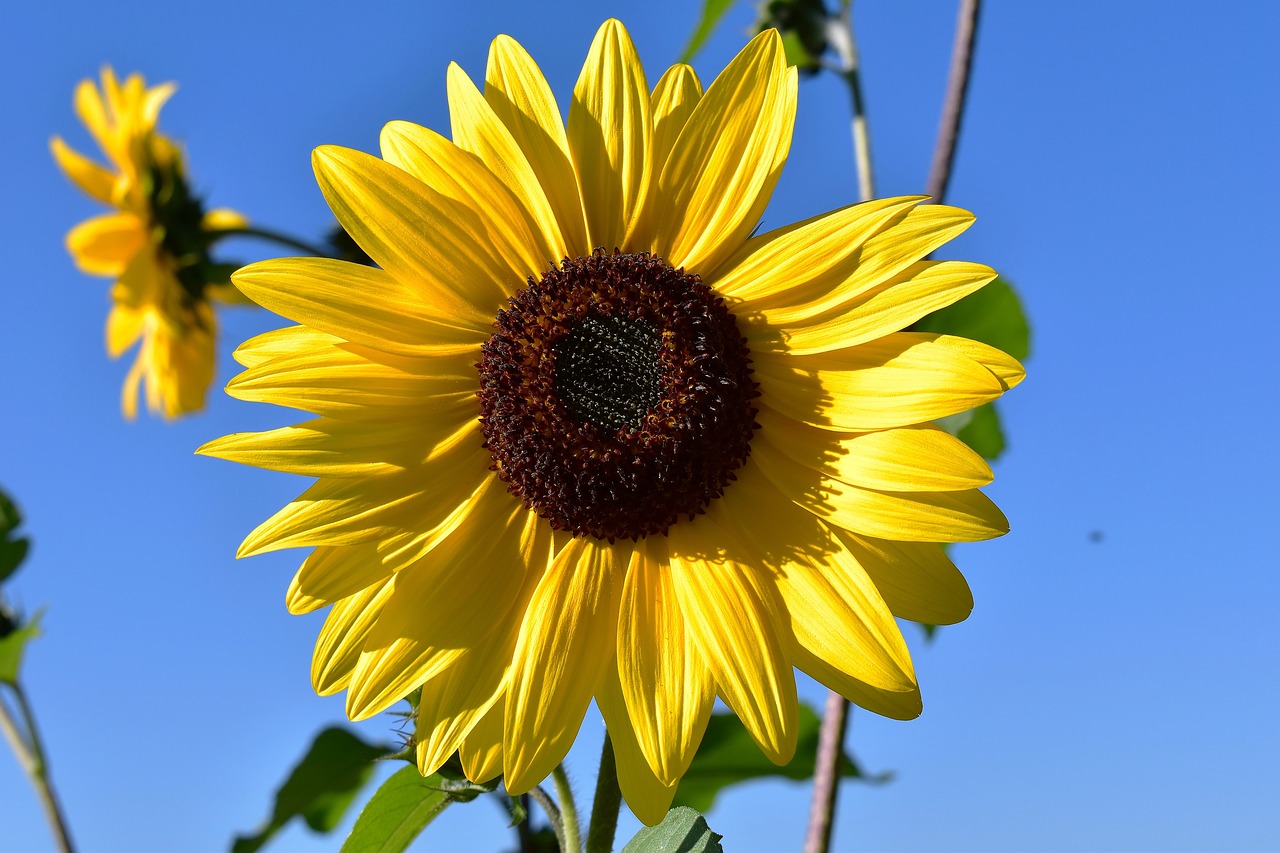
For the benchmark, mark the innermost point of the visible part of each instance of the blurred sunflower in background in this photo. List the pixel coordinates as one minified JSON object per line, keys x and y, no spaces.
{"x":154,"y":244}
{"x":581,"y":435}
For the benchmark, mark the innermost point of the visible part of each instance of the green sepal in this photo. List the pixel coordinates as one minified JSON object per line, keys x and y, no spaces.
{"x":321,"y":787}
{"x":13,"y":550}
{"x":13,"y":644}
{"x":728,"y":755}
{"x":683,"y":830}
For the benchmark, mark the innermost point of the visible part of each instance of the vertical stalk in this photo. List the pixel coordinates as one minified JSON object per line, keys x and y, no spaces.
{"x":27,"y":747}
{"x":572,"y":840}
{"x":608,"y":800}
{"x":944,"y":151}
{"x":840,"y":36}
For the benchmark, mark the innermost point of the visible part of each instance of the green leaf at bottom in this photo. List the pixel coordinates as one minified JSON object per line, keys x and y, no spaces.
{"x":397,"y":812}
{"x":682,"y":831}
{"x":321,"y":787}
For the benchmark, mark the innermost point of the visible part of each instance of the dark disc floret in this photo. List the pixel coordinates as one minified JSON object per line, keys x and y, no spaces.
{"x":616,"y":395}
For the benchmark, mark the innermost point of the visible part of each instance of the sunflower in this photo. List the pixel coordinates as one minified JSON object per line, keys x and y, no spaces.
{"x":581,"y":435}
{"x":154,"y":244}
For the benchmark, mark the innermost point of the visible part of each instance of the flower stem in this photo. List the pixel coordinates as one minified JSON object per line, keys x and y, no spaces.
{"x":841,"y":38}
{"x":604,"y":809}
{"x":274,"y":237}
{"x":549,"y":806}
{"x":571,"y":842}
{"x":944,"y":151}
{"x":31,"y":756}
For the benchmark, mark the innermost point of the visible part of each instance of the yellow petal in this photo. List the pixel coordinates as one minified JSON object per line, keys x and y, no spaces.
{"x":223,"y":219}
{"x":521,"y":98}
{"x":900,"y":379}
{"x":478,"y":130}
{"x":124,"y":326}
{"x":609,"y":131}
{"x":919,"y":290}
{"x":291,"y":340}
{"x":894,"y":704}
{"x":481,"y":752}
{"x":450,"y":601}
{"x":428,"y":242}
{"x":673,"y":100}
{"x":717,"y":181}
{"x":647,"y":796}
{"x":669,"y":690}
{"x":735,"y":617}
{"x":342,"y":637}
{"x":526,"y":243}
{"x":566,"y":643}
{"x":1006,"y":368}
{"x":905,"y":459}
{"x":83,"y":172}
{"x":106,"y":244}
{"x":357,"y":303}
{"x":959,"y":516}
{"x":917,"y":579}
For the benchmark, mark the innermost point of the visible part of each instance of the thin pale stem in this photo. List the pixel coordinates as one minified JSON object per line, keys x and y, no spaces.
{"x":31,"y":756}
{"x":608,"y":800}
{"x":572,"y":840}
{"x":841,"y":38}
{"x":274,"y":237}
{"x":944,"y":150}
{"x":549,"y":806}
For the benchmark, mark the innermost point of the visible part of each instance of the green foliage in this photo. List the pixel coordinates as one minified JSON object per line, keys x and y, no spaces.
{"x":13,"y":549}
{"x":321,"y":786}
{"x":397,"y":812}
{"x":712,"y":12}
{"x":803,"y":27}
{"x":683,"y":830}
{"x":13,"y":643}
{"x":992,"y":315}
{"x":728,"y":756}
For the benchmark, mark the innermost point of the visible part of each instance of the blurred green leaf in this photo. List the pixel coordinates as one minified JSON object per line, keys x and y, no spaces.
{"x":983,"y":432}
{"x":712,"y":12}
{"x":803,"y":26}
{"x":12,"y":646}
{"x":683,"y":830}
{"x":12,"y":550}
{"x":728,"y":755}
{"x":992,"y":315}
{"x":321,"y":787}
{"x":398,"y":812}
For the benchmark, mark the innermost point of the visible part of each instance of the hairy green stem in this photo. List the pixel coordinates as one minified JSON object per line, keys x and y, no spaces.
{"x":572,"y":840}
{"x":274,"y":237}
{"x":608,"y":800}
{"x":30,"y":753}
{"x":549,"y":806}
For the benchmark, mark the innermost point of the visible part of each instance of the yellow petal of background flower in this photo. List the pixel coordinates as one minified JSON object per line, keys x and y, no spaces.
{"x":669,"y":690}
{"x":342,"y":637}
{"x":959,"y":516}
{"x":424,"y":239}
{"x":478,"y":130}
{"x":124,"y":326}
{"x":565,"y":645}
{"x":736,"y":620}
{"x":898,"y":380}
{"x":609,"y":133}
{"x":104,"y":245}
{"x":357,"y":303}
{"x":518,"y":93}
{"x":93,"y":179}
{"x":647,"y":796}
{"x":904,"y":459}
{"x":917,"y":579}
{"x":718,"y":179}
{"x":919,"y":290}
{"x":522,"y":234}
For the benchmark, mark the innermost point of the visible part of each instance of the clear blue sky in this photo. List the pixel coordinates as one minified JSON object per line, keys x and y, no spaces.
{"x":1121,"y":159}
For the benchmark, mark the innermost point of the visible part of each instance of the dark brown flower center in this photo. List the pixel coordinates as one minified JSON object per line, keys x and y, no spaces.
{"x":616,"y":396}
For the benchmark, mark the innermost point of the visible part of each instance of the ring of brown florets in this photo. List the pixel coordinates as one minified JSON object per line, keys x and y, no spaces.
{"x":616,"y":396}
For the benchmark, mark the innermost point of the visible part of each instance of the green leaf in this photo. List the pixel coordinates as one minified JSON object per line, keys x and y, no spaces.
{"x":712,"y":12}
{"x":12,"y":646}
{"x":803,"y":26}
{"x":321,"y":786}
{"x":728,"y":755}
{"x":683,"y":830}
{"x":983,"y":432}
{"x":397,"y":812}
{"x":992,"y":315}
{"x":12,"y":550}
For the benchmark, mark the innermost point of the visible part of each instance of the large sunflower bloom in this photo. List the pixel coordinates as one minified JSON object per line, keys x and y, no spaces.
{"x":154,"y":244}
{"x":582,"y":435}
